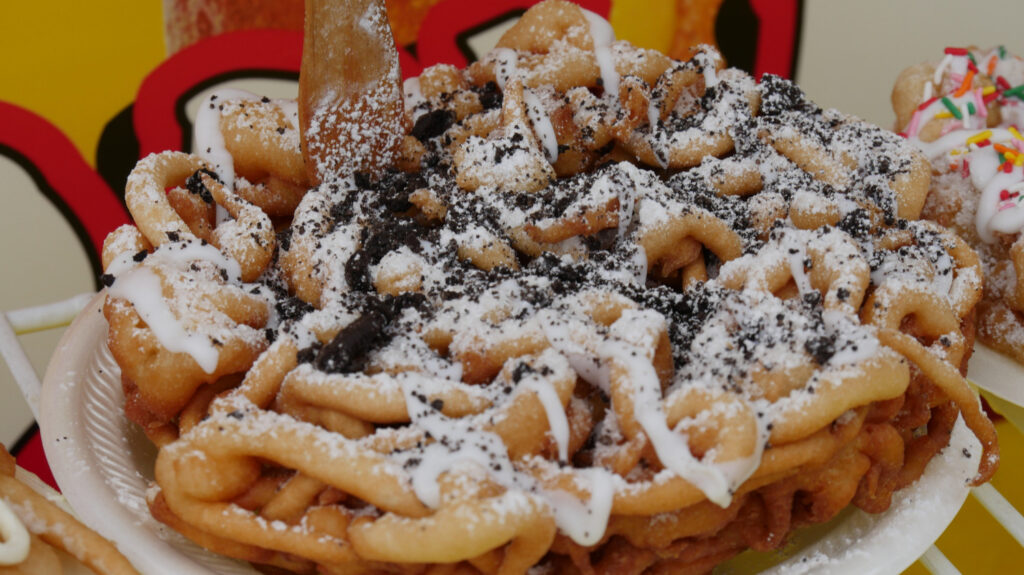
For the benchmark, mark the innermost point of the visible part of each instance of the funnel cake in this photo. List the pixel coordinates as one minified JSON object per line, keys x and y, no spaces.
{"x":964,"y":113}
{"x":601,"y":312}
{"x":32,"y":527}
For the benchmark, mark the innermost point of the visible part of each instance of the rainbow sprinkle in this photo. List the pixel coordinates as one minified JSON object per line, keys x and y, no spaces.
{"x":1009,"y":152}
{"x":952,"y":108}
{"x":979,"y":137}
{"x":966,"y":85}
{"x":1016,"y":92}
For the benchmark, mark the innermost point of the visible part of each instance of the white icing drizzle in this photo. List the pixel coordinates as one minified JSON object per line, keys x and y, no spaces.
{"x":859,"y":345}
{"x":991,"y":187}
{"x":566,"y":335}
{"x":413,"y":97}
{"x":955,"y":140}
{"x":542,"y":126}
{"x":584,"y":521}
{"x":1010,"y":220}
{"x":629,"y":339}
{"x":609,"y":76}
{"x":601,"y":31}
{"x":14,"y":540}
{"x":457,"y":442}
{"x":672,"y":448}
{"x":628,"y":195}
{"x":506,"y":63}
{"x":602,"y":36}
{"x":141,"y":286}
{"x":941,"y":69}
{"x":797,"y":256}
{"x":460,"y":445}
{"x":653,"y":114}
{"x":209,"y":141}
{"x":558,"y":424}
{"x":708,"y":62}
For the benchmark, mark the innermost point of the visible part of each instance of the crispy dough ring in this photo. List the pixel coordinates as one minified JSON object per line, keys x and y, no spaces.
{"x":555,"y":21}
{"x":686,"y":148}
{"x":686,"y":403}
{"x":125,"y":239}
{"x":54,"y":526}
{"x":312,"y":219}
{"x":935,"y":316}
{"x":660,"y":240}
{"x":264,"y":145}
{"x":824,"y":165}
{"x":530,"y":176}
{"x":376,"y":398}
{"x":167,"y":380}
{"x":831,"y":269}
{"x":184,"y":471}
{"x":198,"y":215}
{"x":158,"y":507}
{"x":554,"y":46}
{"x":250,"y":238}
{"x":646,"y":497}
{"x":948,"y":379}
{"x":146,"y":195}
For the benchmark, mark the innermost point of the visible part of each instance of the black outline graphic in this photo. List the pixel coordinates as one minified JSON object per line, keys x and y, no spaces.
{"x":462,"y":38}
{"x":24,"y":439}
{"x":254,"y":73}
{"x":43,"y":185}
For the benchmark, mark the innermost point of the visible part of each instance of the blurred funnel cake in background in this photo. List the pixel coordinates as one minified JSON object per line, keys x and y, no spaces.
{"x":579,"y":307}
{"x":965,"y":113}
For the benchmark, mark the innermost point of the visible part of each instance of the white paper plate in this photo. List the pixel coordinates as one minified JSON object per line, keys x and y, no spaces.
{"x":104,"y":463}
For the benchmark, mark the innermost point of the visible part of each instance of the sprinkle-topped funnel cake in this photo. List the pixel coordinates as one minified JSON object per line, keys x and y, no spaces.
{"x":965,"y":113}
{"x":581,"y":308}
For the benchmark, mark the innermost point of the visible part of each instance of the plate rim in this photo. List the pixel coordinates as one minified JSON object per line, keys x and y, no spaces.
{"x":75,"y":465}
